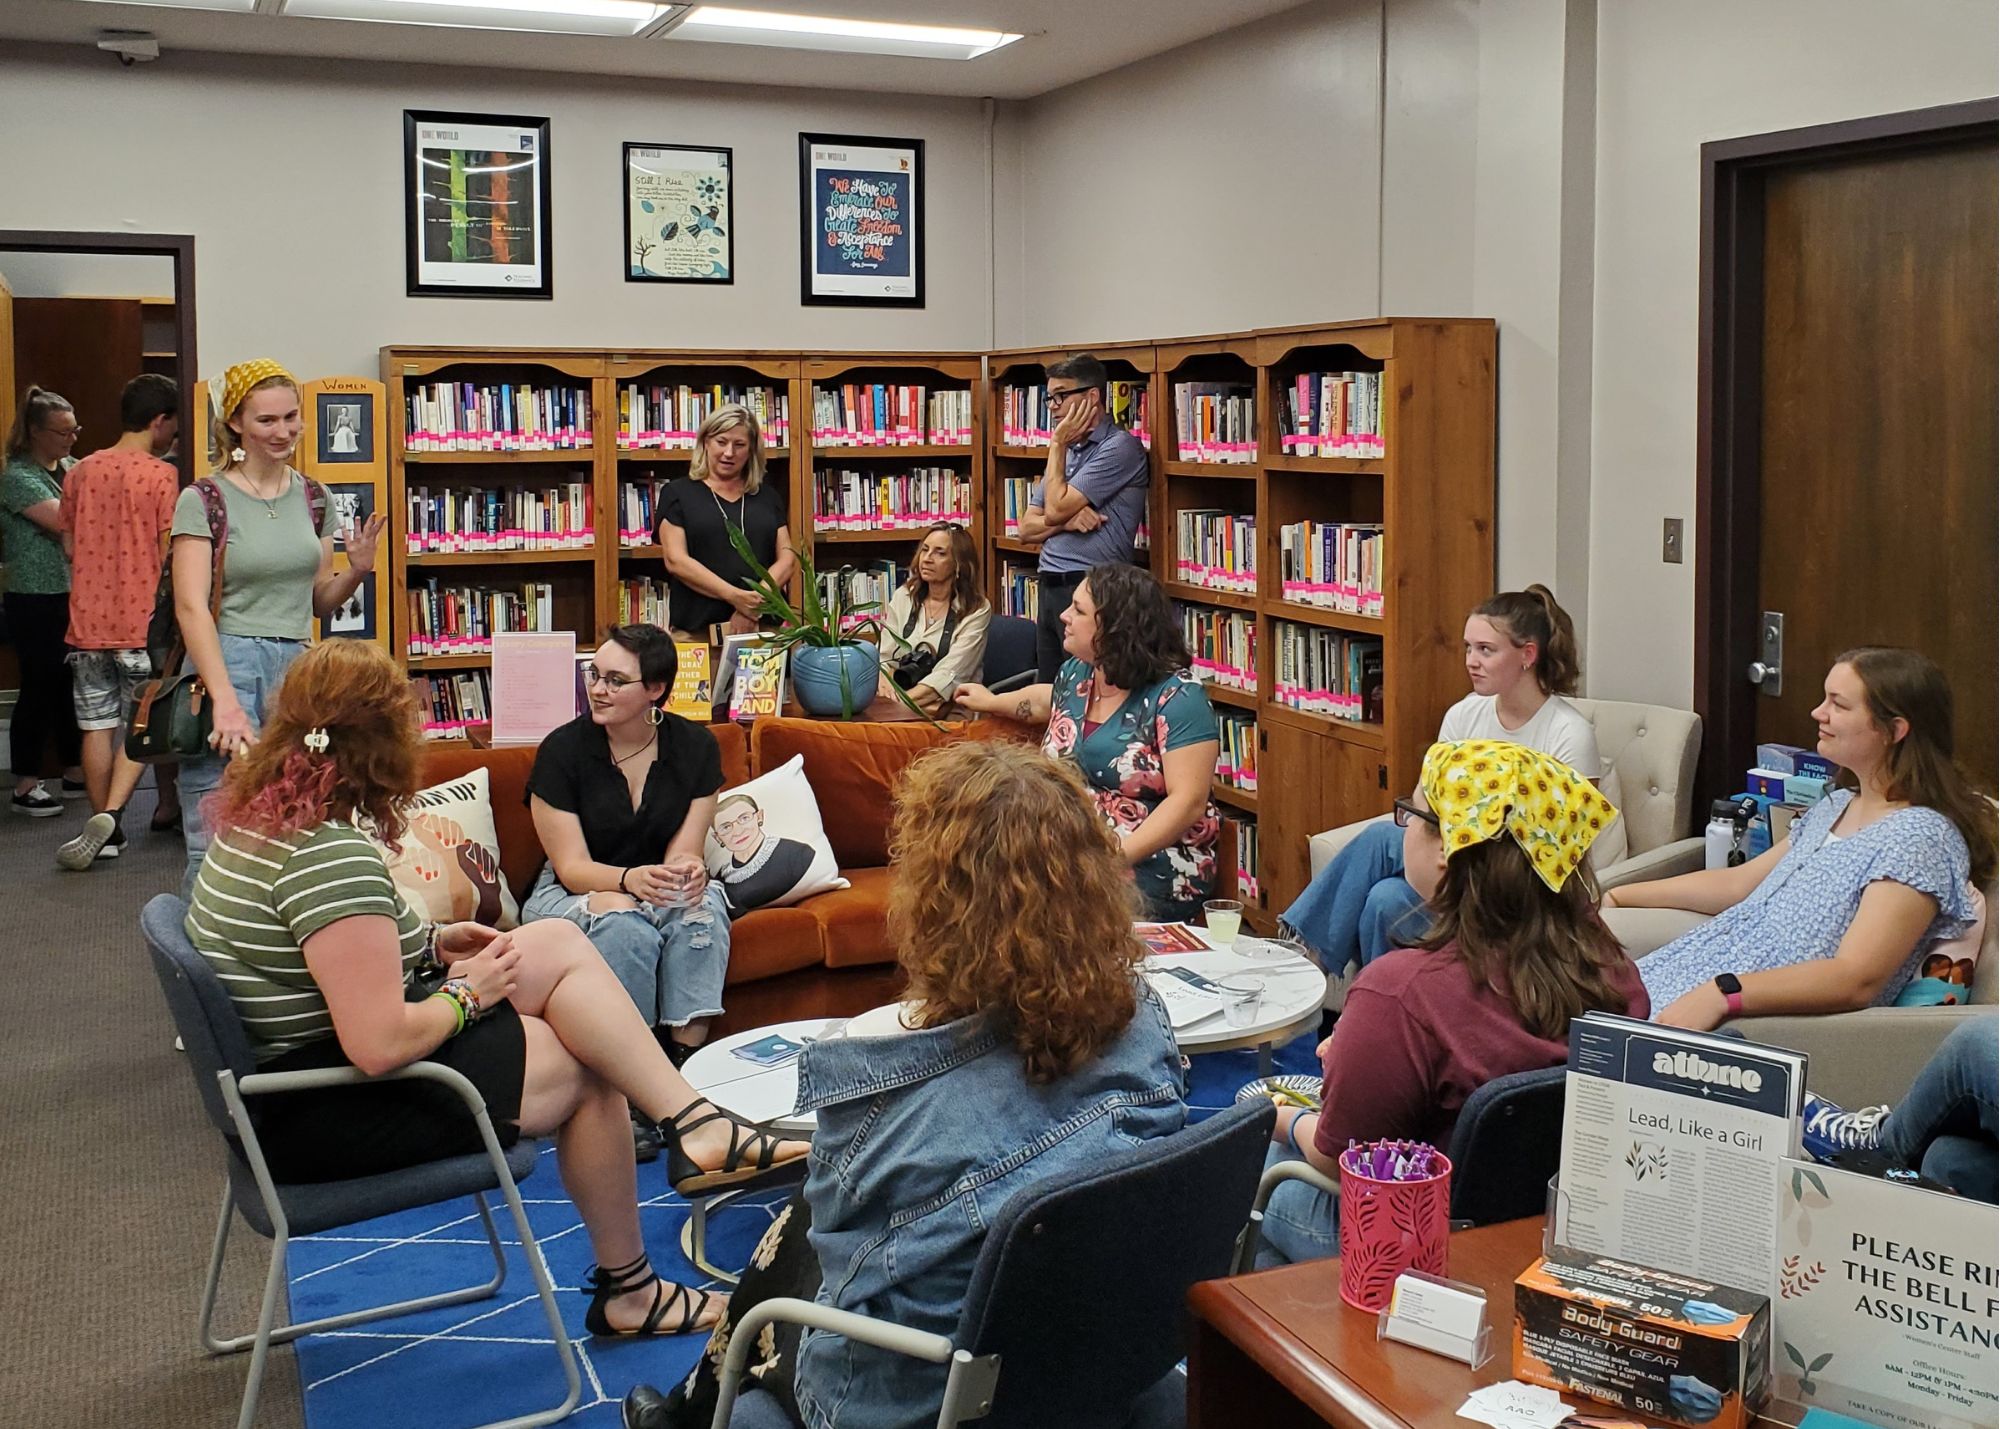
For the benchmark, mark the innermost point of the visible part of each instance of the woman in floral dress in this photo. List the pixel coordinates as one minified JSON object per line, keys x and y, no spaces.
{"x":1125,"y":711}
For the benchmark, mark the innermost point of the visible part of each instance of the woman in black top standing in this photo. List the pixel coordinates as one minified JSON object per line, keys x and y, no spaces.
{"x":622,"y":799}
{"x":708,"y":583}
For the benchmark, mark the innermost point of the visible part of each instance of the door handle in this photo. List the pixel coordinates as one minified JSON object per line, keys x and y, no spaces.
{"x":1767,"y":671}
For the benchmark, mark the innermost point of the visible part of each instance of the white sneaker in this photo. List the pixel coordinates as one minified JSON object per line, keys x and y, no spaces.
{"x":85,"y":849}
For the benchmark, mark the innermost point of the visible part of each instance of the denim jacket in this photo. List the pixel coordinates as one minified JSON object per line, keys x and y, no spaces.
{"x":922,"y":1137}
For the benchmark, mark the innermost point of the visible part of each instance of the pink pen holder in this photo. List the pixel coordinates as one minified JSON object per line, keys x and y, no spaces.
{"x":1388,"y":1227}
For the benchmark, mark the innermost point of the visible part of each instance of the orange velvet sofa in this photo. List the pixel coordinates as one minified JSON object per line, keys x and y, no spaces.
{"x":827,"y":956}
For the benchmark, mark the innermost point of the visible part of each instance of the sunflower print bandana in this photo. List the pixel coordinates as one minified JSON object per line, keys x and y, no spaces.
{"x":1479,"y":788}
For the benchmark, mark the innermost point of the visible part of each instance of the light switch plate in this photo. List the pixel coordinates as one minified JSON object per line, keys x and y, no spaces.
{"x":1670,"y":540}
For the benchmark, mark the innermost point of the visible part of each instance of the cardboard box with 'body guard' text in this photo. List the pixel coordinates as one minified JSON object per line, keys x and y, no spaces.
{"x":1673,"y":1346}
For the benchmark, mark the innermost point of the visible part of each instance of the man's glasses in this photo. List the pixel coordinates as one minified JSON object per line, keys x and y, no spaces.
{"x":614,"y":683}
{"x":1057,"y":396}
{"x":1405,"y":811}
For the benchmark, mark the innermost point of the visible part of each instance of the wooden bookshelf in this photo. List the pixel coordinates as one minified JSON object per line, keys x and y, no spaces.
{"x":1430,"y":488}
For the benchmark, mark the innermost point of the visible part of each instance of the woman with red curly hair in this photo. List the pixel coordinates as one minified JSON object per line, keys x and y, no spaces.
{"x":328,"y":966}
{"x":1027,"y":1046}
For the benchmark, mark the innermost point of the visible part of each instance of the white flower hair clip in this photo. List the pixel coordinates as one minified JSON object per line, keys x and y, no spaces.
{"x":317,"y":740}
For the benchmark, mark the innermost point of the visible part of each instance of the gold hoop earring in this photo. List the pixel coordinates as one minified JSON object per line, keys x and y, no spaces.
{"x":655,"y":716}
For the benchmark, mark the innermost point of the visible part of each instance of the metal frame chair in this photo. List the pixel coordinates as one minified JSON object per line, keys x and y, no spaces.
{"x":1505,"y":1146}
{"x":1154,"y":1220}
{"x":219,"y":1055}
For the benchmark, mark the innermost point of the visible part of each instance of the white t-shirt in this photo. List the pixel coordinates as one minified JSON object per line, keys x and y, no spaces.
{"x":1558,"y":728}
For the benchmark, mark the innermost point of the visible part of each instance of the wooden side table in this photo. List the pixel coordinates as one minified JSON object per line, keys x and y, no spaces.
{"x":1280,"y":1349}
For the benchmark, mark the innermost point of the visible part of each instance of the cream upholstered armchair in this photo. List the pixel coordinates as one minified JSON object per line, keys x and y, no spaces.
{"x":1649,"y":753}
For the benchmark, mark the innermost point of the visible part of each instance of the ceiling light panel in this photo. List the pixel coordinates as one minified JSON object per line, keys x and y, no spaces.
{"x":242,"y":6}
{"x":558,"y":17}
{"x":723,"y":25}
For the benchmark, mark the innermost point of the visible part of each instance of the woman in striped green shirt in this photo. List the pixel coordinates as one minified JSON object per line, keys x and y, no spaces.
{"x":328,"y":966}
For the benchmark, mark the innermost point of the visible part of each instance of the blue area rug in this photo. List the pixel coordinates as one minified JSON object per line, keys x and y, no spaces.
{"x":491,"y":1359}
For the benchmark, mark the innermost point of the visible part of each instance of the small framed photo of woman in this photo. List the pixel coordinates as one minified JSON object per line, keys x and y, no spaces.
{"x":680,"y":220}
{"x":355,"y":619}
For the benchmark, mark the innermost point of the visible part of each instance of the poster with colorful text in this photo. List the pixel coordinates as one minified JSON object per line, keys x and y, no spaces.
{"x":863,"y":238}
{"x":679,"y":227}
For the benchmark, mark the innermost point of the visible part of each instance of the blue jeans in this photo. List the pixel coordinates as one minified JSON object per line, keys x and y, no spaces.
{"x":1301,"y":1222}
{"x":1357,"y":906}
{"x":257,"y":669}
{"x":1947,"y":1126}
{"x":671,"y":961}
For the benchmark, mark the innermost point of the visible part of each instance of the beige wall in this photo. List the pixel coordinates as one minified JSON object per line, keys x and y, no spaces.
{"x":1671,"y":77}
{"x":290,"y":178}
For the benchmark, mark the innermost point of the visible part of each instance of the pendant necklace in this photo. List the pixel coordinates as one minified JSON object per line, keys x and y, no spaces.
{"x":270,"y":502}
{"x":723,"y":511}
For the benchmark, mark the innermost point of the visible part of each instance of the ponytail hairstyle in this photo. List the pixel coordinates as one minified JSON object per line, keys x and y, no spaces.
{"x":38,"y":404}
{"x":1532,"y":617}
{"x":1907,"y":685}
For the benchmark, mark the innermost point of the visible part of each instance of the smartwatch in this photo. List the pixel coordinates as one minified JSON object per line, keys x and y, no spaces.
{"x":1731,"y":988}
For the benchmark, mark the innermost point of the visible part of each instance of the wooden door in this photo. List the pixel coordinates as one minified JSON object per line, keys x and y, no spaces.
{"x":87,"y":349}
{"x":1878,"y":452}
{"x":8,"y":392}
{"x":1316,"y":783}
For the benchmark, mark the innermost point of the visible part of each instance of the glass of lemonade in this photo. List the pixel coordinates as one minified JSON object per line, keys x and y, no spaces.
{"x":1224,"y":918}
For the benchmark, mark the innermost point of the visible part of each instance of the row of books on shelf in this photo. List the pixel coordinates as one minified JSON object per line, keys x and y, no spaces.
{"x":1236,"y":764}
{"x":642,"y":601}
{"x":1017,"y":493}
{"x":1331,"y":414}
{"x":1020,"y":592}
{"x":448,"y":519}
{"x":1243,"y":828}
{"x":656,"y":416}
{"x":1327,"y":672}
{"x":639,"y":512}
{"x":862,"y":591}
{"x":1215,"y":422}
{"x":1334,"y":564}
{"x":495,"y":417}
{"x":877,"y":414}
{"x":1216,"y":549}
{"x":1025,"y":417}
{"x":1223,"y":646}
{"x":890,"y":501}
{"x":450,"y":702}
{"x":459,"y":619}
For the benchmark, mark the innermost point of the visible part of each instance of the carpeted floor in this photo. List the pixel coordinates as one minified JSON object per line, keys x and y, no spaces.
{"x":110,"y":1171}
{"x":113,"y":1175}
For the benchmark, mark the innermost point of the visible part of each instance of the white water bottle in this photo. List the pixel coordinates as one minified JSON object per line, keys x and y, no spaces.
{"x":1717,"y":840}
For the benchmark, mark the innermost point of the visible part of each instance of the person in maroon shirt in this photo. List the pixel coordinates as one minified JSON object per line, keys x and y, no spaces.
{"x":1495,"y":839}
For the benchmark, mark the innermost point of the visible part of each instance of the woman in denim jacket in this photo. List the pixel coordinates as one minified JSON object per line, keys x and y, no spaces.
{"x":1027,"y":1046}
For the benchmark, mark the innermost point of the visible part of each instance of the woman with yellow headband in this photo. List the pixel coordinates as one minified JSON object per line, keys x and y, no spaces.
{"x":277,"y":570}
{"x":1495,"y":840}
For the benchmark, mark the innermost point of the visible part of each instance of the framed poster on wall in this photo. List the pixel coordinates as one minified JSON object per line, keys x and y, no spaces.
{"x":862,"y":221}
{"x":476,"y":206}
{"x":680,"y":223}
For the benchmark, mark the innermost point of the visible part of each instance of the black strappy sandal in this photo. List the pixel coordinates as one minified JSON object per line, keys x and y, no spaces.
{"x":608,"y":1285}
{"x":746,"y":1141}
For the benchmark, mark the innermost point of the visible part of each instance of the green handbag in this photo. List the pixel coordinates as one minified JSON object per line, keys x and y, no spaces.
{"x":172,"y":717}
{"x":171,"y":721}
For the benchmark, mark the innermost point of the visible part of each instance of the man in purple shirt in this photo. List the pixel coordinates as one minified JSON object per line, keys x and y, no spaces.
{"x":1090,"y":502}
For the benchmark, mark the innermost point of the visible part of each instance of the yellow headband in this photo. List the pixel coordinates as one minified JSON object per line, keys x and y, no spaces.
{"x":238,"y":380}
{"x":1480,"y":787}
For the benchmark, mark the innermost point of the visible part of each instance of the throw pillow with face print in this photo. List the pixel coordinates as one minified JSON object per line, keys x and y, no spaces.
{"x":768,"y":846}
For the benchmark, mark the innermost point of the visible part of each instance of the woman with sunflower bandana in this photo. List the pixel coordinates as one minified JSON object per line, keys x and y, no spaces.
{"x":1496,"y":839}
{"x":1521,"y":657}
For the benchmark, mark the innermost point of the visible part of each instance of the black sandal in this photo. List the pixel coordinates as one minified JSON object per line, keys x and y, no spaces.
{"x":607,"y":1285}
{"x":745,"y":1141}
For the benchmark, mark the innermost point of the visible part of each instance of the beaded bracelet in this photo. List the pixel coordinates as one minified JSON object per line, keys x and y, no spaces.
{"x":460,"y":991}
{"x":457,"y":1011}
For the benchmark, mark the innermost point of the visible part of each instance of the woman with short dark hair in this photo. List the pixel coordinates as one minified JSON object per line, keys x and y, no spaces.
{"x":622,"y":798}
{"x":1124,"y":709}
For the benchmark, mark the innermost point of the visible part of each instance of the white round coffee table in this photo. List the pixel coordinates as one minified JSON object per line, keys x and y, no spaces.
{"x":1294,"y":992}
{"x":762,"y":1095}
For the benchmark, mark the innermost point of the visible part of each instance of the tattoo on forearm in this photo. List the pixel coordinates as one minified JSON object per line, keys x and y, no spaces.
{"x":1023,"y":710}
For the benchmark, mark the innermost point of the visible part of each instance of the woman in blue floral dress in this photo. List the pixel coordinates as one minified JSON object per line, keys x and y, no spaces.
{"x":1837,"y":915}
{"x":1124,"y":709}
